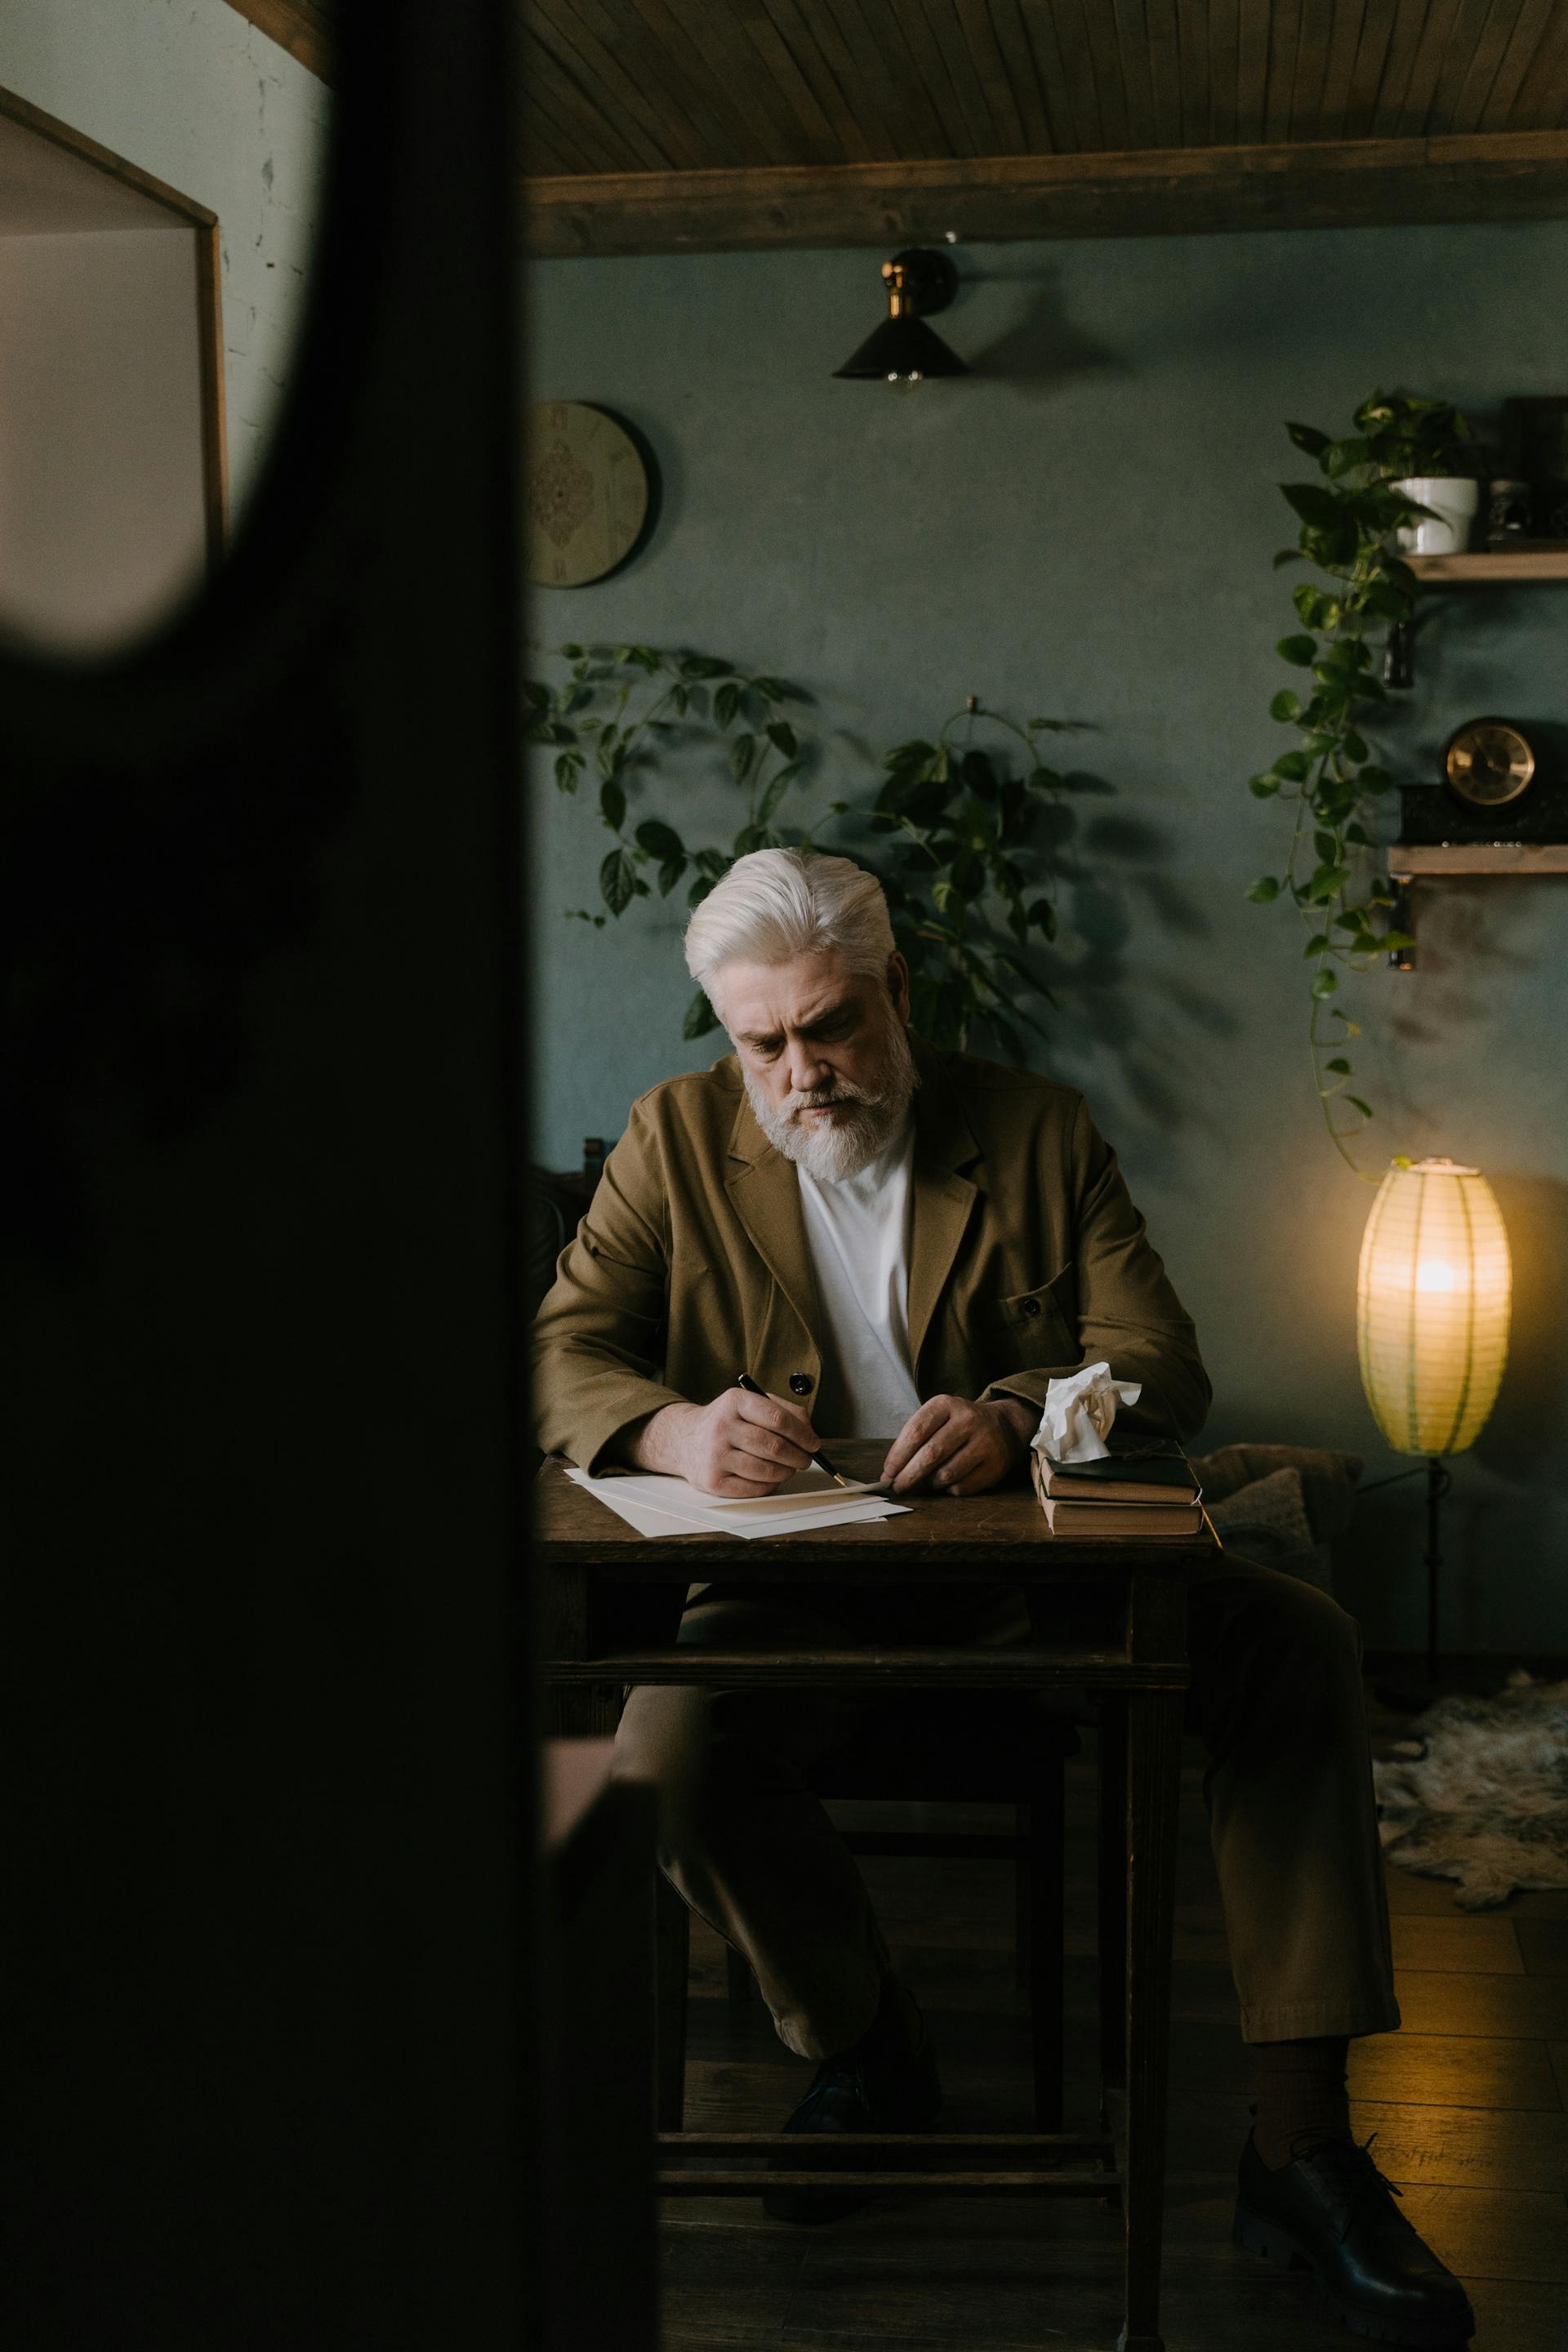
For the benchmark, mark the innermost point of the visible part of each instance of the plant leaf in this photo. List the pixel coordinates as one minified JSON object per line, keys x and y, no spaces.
{"x":659,"y":840}
{"x":1342,"y":457}
{"x":1324,"y":983}
{"x":1300,"y":650}
{"x":1314,"y":504}
{"x":781,"y":736}
{"x":1285,"y":705}
{"x":700,"y":1017}
{"x":611,"y":804}
{"x":618,"y":882}
{"x":1265,"y":888}
{"x":778,"y":783}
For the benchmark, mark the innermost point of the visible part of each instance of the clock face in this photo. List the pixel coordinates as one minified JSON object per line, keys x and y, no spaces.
{"x":1489,"y":762}
{"x":587,"y":493}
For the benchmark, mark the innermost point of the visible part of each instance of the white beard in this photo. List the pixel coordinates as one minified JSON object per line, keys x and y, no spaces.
{"x":832,"y":1149}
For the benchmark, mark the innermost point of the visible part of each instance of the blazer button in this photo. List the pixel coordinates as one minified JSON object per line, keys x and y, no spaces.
{"x":1031,"y":1305}
{"x":800,"y":1383}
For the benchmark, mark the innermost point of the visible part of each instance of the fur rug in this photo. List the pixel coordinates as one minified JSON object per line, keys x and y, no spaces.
{"x":1479,"y":1793}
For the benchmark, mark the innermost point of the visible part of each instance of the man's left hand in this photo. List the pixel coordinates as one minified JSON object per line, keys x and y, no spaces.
{"x":958,"y":1445}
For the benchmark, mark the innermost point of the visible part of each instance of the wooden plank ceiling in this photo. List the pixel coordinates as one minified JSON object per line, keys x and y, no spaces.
{"x":669,"y":125}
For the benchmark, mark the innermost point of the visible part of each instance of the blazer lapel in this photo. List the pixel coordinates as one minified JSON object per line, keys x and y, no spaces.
{"x":765,"y":1193}
{"x":942,"y":1199}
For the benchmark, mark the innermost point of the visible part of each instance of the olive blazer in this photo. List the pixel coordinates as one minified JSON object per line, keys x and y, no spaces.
{"x":1026,"y":1259}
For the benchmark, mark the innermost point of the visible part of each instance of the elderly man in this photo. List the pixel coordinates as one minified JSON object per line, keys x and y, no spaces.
{"x":907,"y":1244}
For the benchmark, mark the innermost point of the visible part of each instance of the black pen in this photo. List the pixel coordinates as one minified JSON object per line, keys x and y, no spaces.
{"x":744,"y":1381}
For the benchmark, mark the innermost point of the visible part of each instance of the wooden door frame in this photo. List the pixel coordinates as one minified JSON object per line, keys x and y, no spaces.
{"x":204,"y":222}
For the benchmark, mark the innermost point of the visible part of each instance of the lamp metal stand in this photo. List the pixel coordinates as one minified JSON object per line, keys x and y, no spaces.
{"x":1410,"y":1695}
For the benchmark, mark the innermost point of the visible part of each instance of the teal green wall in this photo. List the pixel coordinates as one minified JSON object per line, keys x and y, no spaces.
{"x":1084,"y":529}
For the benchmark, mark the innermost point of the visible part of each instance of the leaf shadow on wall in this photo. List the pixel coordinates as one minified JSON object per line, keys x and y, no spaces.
{"x":1110,"y":984}
{"x":1458,"y":936}
{"x":1042,"y":350}
{"x":1527,"y":1436}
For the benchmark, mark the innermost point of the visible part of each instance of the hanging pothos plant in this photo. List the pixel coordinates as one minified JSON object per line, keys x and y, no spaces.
{"x":966,"y":858}
{"x":1330,"y":776}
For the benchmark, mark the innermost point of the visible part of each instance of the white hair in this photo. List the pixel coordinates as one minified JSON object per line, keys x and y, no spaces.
{"x":777,"y":904}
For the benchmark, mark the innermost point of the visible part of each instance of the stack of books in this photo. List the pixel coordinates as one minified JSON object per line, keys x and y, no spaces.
{"x":1140,"y":1488}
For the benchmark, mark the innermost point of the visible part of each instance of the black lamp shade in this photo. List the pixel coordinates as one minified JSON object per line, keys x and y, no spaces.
{"x":902,"y":347}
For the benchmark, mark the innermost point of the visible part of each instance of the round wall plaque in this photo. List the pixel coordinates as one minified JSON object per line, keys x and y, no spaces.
{"x":587,"y":493}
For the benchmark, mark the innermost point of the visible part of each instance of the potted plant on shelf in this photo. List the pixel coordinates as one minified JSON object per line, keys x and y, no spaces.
{"x":1425,"y":450}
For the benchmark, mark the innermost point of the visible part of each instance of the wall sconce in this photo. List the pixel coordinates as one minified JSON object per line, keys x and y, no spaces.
{"x":903,"y":349}
{"x":1433,"y":1296}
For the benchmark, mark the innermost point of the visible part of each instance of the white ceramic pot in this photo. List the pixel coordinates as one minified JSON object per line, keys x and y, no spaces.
{"x":1447,"y":529}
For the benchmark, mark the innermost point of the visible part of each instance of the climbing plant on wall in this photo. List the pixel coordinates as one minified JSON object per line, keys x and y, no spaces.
{"x":956,"y":828}
{"x":1330,"y":777}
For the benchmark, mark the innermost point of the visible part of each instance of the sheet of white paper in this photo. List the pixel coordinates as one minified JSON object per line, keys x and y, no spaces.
{"x":807,"y":1494}
{"x":649,"y":1520}
{"x":657,"y":1523}
{"x":811,"y":1488}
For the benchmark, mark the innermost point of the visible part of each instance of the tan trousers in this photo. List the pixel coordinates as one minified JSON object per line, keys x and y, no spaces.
{"x":1276,"y":1697}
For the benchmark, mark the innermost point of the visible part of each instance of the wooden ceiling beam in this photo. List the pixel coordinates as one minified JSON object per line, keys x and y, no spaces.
{"x":303,"y":28}
{"x":1354,"y":184}
{"x":1529,"y":28}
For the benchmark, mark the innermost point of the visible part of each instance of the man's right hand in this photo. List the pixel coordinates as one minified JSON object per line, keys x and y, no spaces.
{"x":738,"y":1444}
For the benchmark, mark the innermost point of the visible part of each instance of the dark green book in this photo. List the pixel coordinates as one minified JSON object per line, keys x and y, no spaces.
{"x":1163,"y":1475}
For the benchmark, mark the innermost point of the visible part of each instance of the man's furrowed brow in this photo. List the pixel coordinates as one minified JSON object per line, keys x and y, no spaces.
{"x":829,"y":1013}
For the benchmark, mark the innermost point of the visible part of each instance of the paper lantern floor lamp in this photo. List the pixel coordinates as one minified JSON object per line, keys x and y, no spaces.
{"x":1432,"y":1316}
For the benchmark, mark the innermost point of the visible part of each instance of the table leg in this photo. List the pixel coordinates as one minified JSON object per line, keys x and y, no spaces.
{"x":1153,"y":1786}
{"x":1111,"y":1885}
{"x":593,"y":1712}
{"x":672,"y":1967}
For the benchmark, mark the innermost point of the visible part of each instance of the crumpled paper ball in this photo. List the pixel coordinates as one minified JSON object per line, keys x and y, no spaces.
{"x":1078,"y":1413}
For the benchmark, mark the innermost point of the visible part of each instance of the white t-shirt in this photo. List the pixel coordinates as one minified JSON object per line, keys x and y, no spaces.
{"x":858,"y":1231}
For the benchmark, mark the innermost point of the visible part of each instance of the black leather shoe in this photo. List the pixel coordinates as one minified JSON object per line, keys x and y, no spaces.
{"x":1333,"y":2211}
{"x":881,"y":2085}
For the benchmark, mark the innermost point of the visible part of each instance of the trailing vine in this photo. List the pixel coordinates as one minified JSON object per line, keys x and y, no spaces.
{"x":1331,"y":775}
{"x":966,"y":860}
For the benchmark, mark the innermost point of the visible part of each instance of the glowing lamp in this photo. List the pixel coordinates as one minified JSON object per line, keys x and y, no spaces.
{"x":1432,"y":1306}
{"x":1432,"y":1316}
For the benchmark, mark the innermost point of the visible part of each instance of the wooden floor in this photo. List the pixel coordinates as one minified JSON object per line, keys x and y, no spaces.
{"x":1469,"y":2103}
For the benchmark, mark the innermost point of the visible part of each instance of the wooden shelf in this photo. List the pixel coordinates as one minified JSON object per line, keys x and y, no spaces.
{"x":1478,"y":571}
{"x":1407,"y":859}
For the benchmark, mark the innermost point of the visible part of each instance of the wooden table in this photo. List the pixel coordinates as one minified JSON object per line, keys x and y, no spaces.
{"x":613,"y":1600}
